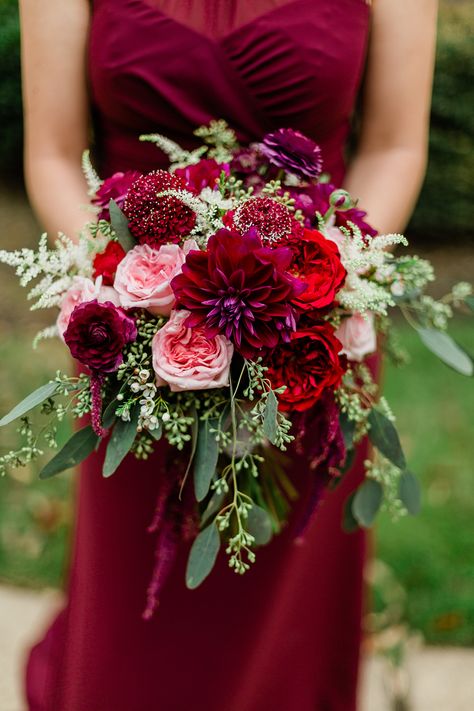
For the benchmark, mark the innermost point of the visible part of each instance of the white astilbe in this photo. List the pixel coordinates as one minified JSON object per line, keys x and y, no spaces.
{"x":362,"y":257}
{"x":48,"y":332}
{"x":54,"y":266}
{"x":179,"y":157}
{"x":92,"y":179}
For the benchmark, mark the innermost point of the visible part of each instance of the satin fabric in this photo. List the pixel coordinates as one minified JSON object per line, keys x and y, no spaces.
{"x":287,"y":634}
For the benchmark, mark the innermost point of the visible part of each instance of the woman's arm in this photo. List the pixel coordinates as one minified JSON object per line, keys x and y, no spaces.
{"x":54,"y":39}
{"x":388,"y":168}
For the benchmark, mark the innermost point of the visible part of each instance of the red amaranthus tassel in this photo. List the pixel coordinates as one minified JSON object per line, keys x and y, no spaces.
{"x":96,"y":400}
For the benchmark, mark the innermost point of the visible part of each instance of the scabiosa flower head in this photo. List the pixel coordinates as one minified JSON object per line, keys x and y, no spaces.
{"x":271,"y":219}
{"x":97,"y":334}
{"x":294,"y":152}
{"x":114,"y":188}
{"x":203,"y":174}
{"x":239,"y":289}
{"x":158,"y":220}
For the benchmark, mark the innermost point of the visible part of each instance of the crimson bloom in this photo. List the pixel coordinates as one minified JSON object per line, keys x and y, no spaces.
{"x":240,"y":289}
{"x":158,"y":220}
{"x":317,"y":263}
{"x":97,"y":334}
{"x":105,"y":263}
{"x":308,"y":365}
{"x":203,"y":174}
{"x":114,"y":188}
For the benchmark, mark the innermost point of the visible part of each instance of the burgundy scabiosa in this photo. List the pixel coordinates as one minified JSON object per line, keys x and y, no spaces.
{"x":240,"y":289}
{"x":294,"y":152}
{"x":271,"y":219}
{"x":155,"y":219}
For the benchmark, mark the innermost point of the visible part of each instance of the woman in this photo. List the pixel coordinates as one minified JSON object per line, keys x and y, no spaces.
{"x":285,"y":636}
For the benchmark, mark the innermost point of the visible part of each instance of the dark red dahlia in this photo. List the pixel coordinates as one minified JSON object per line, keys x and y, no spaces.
{"x":203,"y":174}
{"x":105,"y":263}
{"x":308,"y":365}
{"x":157,"y":220}
{"x":271,"y":219}
{"x":318,"y":264}
{"x":240,"y":289}
{"x":294,"y":152}
{"x":114,"y":188}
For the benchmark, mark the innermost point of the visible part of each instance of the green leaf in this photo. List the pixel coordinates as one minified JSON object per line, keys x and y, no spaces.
{"x":77,"y":448}
{"x":349,"y":522}
{"x":367,"y":501}
{"x":259,"y":525}
{"x":120,"y":442}
{"x":348,"y":429}
{"x":409,"y":493}
{"x":120,"y":225}
{"x":202,"y":556}
{"x":215,"y":503}
{"x":270,"y":417}
{"x":157,"y":432}
{"x":384,"y":436}
{"x":32,"y":400}
{"x":207,"y":454}
{"x":470,"y":302}
{"x":442,"y":345}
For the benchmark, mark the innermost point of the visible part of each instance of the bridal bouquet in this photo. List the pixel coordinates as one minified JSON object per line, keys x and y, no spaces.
{"x":227,"y":306}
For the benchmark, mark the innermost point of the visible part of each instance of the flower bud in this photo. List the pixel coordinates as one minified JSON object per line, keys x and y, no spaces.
{"x":341,"y":200}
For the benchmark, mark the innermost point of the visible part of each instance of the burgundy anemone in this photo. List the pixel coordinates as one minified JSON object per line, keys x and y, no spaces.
{"x":240,"y":289}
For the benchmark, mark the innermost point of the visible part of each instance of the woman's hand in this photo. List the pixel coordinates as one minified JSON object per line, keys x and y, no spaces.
{"x":56,"y":109}
{"x":388,"y":169}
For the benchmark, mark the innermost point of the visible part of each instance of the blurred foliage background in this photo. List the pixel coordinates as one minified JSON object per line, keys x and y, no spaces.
{"x":431,"y":555}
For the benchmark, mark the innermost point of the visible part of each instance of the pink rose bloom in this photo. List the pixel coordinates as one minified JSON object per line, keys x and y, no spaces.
{"x":357,"y":335}
{"x":185,"y":359}
{"x":143,"y":277}
{"x":82,"y":290}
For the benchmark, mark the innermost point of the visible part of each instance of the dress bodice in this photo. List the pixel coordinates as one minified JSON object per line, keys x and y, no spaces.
{"x":167,"y":66}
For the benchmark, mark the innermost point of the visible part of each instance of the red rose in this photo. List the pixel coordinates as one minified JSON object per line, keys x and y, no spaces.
{"x":106,"y":262}
{"x":317,"y":263}
{"x":308,"y":365}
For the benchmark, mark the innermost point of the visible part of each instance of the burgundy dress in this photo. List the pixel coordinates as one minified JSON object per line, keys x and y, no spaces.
{"x":284,"y":637}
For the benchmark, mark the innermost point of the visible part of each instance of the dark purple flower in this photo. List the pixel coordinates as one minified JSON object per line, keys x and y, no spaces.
{"x":294,"y":152}
{"x":240,"y":289}
{"x":97,"y":334}
{"x":114,"y":188}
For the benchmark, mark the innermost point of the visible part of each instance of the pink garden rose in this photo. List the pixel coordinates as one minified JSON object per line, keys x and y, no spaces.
{"x":357,"y":335}
{"x":82,"y":290}
{"x":186,"y":359}
{"x":143,"y":277}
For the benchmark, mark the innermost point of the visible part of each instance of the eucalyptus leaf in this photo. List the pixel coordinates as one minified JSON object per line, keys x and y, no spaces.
{"x":120,"y":226}
{"x":270,"y":417}
{"x":409,"y":493}
{"x":470,"y":302}
{"x":202,"y":556}
{"x":348,"y":429}
{"x":442,"y":345}
{"x":367,"y":501}
{"x":384,"y":436}
{"x":156,"y":433}
{"x":77,"y":448}
{"x":207,"y":454}
{"x":32,"y":400}
{"x":259,"y":525}
{"x":349,"y":522}
{"x":214,"y":505}
{"x":120,"y":442}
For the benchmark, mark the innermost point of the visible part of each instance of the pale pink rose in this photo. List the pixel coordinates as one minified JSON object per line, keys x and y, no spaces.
{"x":357,"y":335}
{"x":185,"y":359}
{"x":82,"y":290}
{"x":143,"y":277}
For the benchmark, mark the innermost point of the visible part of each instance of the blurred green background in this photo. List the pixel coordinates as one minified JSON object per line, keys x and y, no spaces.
{"x":433,"y":555}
